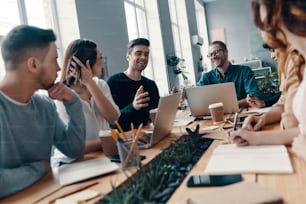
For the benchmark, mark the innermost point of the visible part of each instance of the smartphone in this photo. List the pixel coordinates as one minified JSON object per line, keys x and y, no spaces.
{"x":116,"y":158}
{"x":213,"y":180}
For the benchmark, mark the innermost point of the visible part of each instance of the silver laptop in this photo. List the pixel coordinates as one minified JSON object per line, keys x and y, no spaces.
{"x":164,"y":119}
{"x":200,"y":97}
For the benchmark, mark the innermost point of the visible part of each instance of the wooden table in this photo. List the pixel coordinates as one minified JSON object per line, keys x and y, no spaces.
{"x":48,"y":189}
{"x":291,"y":187}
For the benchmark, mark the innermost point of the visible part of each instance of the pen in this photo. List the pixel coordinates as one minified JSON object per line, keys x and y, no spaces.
{"x":235,"y":121}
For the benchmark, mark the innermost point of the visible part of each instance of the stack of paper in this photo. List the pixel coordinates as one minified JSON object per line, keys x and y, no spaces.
{"x":250,"y":159}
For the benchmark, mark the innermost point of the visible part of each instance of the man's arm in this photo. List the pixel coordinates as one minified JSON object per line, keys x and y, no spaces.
{"x":251,"y":88}
{"x":16,"y":179}
{"x":250,"y":84}
{"x":69,"y":139}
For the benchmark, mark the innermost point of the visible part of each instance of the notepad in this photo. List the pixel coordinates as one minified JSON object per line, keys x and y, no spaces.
{"x":79,"y":171}
{"x":230,"y":158}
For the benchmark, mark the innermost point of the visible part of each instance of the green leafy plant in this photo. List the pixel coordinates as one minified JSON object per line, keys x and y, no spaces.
{"x":269,"y":84}
{"x":156,"y":182}
{"x":178,"y":66}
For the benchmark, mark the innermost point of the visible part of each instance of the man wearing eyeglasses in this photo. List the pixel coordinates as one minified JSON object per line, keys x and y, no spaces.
{"x":248,"y":93}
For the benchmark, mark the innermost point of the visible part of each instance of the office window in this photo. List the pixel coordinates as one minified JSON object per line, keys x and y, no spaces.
{"x":202,"y":31}
{"x":54,"y":14}
{"x":181,"y":36}
{"x":9,"y":17}
{"x":143,"y":21}
{"x":39,"y":13}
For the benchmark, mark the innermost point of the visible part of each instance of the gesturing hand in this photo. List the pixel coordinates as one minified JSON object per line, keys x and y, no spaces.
{"x":141,"y":99}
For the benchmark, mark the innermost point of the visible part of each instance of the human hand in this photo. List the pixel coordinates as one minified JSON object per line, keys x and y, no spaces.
{"x":86,"y":71}
{"x":299,"y":146}
{"x":173,"y":90}
{"x":254,"y":123}
{"x":141,"y":99}
{"x":60,"y":92}
{"x":182,"y":95}
{"x":255,"y":102}
{"x":243,"y":137}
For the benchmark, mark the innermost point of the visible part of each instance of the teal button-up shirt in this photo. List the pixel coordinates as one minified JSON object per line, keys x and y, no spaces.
{"x":242,"y":76}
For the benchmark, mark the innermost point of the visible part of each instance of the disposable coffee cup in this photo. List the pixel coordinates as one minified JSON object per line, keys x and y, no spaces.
{"x":153,"y":113}
{"x":217,"y":112}
{"x":109,"y":146}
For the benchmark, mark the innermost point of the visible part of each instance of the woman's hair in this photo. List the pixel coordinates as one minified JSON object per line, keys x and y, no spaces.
{"x":84,"y":50}
{"x":291,"y":14}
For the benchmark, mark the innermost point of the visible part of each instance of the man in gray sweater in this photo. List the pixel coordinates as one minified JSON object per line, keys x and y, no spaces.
{"x":29,"y":123}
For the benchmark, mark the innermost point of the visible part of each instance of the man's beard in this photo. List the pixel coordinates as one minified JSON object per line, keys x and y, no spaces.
{"x":220,"y":63}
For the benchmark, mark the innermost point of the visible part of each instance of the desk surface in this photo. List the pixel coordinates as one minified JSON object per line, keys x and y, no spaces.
{"x":291,"y":187}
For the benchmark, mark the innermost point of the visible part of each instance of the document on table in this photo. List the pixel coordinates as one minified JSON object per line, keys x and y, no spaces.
{"x":79,"y":171}
{"x":230,"y":158}
{"x":183,"y":121}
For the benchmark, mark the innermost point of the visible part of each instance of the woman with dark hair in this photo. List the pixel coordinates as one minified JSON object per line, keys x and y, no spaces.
{"x":81,"y":68}
{"x":282,"y":24}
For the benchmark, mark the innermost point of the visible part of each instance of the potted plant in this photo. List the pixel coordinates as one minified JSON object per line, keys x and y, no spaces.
{"x":178,"y":67}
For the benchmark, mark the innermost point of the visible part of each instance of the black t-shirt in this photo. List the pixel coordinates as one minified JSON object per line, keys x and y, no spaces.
{"x":123,"y":91}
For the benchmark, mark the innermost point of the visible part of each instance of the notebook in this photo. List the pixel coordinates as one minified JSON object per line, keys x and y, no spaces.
{"x":230,"y":158}
{"x":164,"y":118}
{"x":200,"y":97}
{"x":79,"y":171}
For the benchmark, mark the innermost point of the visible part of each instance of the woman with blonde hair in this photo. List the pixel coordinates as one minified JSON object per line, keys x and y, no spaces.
{"x":282,"y":24}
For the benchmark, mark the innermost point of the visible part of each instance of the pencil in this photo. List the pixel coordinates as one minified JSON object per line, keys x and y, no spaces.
{"x":133,"y":144}
{"x":235,"y":121}
{"x":132,"y":129}
{"x":115,"y":136}
{"x":83,"y":187}
{"x":121,"y":131}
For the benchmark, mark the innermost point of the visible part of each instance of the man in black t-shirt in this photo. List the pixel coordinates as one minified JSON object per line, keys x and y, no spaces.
{"x":135,"y":94}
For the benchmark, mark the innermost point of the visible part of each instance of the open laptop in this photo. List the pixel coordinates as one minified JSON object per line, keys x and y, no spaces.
{"x":164,"y":119}
{"x":200,"y":97}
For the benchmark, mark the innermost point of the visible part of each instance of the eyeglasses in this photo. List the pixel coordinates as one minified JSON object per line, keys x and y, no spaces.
{"x":214,"y":53}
